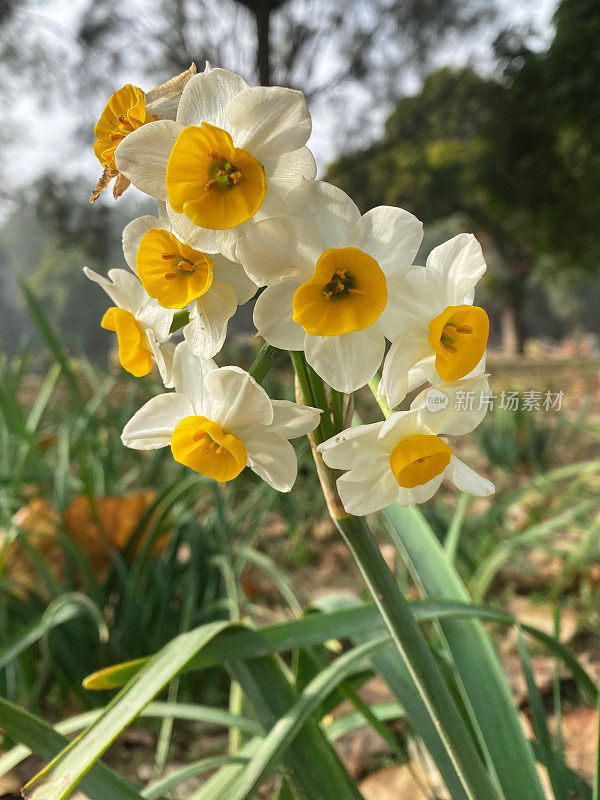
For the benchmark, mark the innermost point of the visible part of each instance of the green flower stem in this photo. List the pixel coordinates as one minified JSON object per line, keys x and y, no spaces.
{"x":337,"y":409}
{"x":415,"y":652}
{"x":381,"y":401}
{"x":180,"y":318}
{"x":311,"y":395}
{"x":394,"y":608}
{"x":262,"y":363}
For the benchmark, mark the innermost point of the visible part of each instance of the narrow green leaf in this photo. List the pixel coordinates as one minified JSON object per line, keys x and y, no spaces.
{"x":156,"y":789}
{"x":283,"y":733}
{"x":61,"y":610}
{"x":44,"y":741}
{"x":363,"y":620}
{"x":596,"y":794}
{"x":508,"y":752}
{"x":63,"y":774}
{"x":154,"y":710}
{"x":310,"y":761}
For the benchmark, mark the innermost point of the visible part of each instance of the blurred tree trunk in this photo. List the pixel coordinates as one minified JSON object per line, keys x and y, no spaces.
{"x":512,"y":319}
{"x":262,"y":15}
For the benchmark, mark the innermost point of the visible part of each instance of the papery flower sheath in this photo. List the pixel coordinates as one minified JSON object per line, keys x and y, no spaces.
{"x":437,"y":333}
{"x":142,"y":326}
{"x":404,"y":458}
{"x":127,"y":110}
{"x":219,"y":420}
{"x":231,"y":156}
{"x":179,"y":276}
{"x":331,"y":277}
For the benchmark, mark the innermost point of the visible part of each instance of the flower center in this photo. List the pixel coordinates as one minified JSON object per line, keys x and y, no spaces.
{"x":216,"y":185}
{"x":134,"y":353}
{"x":346,"y":293}
{"x":125,"y":112}
{"x":173,"y":273}
{"x":458,"y":337}
{"x":202,"y":445}
{"x":418,"y":459}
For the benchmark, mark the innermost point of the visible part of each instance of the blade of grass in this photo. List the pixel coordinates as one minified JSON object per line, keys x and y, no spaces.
{"x":310,"y":761}
{"x":362,"y":620}
{"x":484,"y":683}
{"x":45,"y":742}
{"x":61,"y":610}
{"x":61,"y":776}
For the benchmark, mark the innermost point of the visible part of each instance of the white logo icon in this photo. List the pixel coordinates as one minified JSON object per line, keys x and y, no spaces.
{"x":436,"y":400}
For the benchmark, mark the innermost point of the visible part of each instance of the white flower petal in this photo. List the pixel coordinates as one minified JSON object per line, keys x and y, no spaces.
{"x":273,"y":459}
{"x":415,"y":297}
{"x":354,"y":447}
{"x":156,"y":318}
{"x":402,"y":355}
{"x":420,"y":494}
{"x":207,"y":95}
{"x":227,"y":240}
{"x":283,"y":247}
{"x":163,"y":355}
{"x":142,"y":156}
{"x":272,"y":206}
{"x":123,"y":288}
{"x":346,"y":362}
{"x":293,"y":419}
{"x":423,"y":372}
{"x":153,"y":425}
{"x":269,"y":120}
{"x":467,"y":480}
{"x":460,"y":415}
{"x":237,"y":400}
{"x":189,"y":375}
{"x":368,"y":489}
{"x":231,"y":272}
{"x":161,"y":206}
{"x":285,"y":172}
{"x":391,"y":235}
{"x":273,"y":316}
{"x":399,"y":426}
{"x":326,"y":208}
{"x":199,"y":238}
{"x":460,"y":264}
{"x":209,"y":315}
{"x":132,"y":236}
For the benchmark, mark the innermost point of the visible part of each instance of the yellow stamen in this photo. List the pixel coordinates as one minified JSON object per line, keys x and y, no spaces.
{"x":134,"y":352}
{"x":170,"y":271}
{"x":125,"y":112}
{"x":458,"y":337}
{"x":202,"y":445}
{"x":346,"y":293}
{"x":215,"y":184}
{"x":416,"y":460}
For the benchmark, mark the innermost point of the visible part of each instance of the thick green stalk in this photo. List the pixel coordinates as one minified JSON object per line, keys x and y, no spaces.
{"x":262,"y":363}
{"x":398,"y":617}
{"x":415,"y":652}
{"x":180,"y":318}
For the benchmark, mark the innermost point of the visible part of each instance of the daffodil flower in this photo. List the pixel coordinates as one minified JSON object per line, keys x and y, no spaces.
{"x":219,"y":420}
{"x":230,"y":157}
{"x":127,"y":110}
{"x":141,"y":325}
{"x":437,"y":333}
{"x":404,"y":458}
{"x":331,"y":276}
{"x":177,"y":276}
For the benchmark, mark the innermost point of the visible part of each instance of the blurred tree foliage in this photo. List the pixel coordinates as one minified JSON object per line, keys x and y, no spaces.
{"x":516,"y":155}
{"x":362,"y":49}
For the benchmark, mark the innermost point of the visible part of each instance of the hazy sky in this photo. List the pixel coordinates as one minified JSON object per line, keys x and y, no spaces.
{"x":49,"y":142}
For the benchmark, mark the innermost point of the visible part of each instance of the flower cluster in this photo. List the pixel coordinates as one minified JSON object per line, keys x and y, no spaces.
{"x":239,"y":214}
